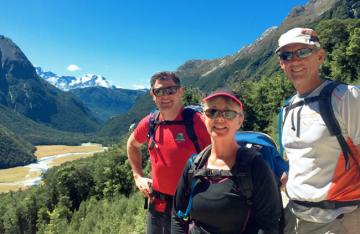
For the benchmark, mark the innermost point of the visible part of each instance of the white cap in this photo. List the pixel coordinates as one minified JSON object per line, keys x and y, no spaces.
{"x":305,"y":36}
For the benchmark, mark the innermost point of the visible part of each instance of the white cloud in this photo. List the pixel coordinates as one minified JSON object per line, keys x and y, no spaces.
{"x":73,"y":67}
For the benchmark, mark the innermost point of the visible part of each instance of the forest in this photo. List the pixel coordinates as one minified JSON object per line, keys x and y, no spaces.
{"x":97,"y":195}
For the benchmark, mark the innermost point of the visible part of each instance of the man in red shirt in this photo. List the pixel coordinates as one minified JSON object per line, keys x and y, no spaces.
{"x":169,"y":150}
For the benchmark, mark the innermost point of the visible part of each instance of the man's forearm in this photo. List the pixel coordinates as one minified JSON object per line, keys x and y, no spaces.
{"x":134,"y":156}
{"x":135,"y":162}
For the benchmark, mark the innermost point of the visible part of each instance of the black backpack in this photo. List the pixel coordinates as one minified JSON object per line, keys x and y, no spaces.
{"x":326,"y":113}
{"x":188,"y":120}
{"x":242,"y":174}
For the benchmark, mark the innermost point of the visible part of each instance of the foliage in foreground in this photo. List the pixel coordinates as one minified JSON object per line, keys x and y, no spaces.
{"x":92,"y":195}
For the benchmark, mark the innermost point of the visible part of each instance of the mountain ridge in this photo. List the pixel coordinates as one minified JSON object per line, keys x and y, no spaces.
{"x":239,"y":66}
{"x":106,"y":103}
{"x":14,"y":151}
{"x":23,"y":91}
{"x":36,"y":133}
{"x":252,"y":62}
{"x":95,"y":92}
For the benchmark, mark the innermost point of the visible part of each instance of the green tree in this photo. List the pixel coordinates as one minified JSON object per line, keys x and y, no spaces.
{"x":43,"y":219}
{"x":192,"y":96}
{"x":341,"y":41}
{"x":59,"y":217}
{"x":262,"y":100}
{"x":114,"y":175}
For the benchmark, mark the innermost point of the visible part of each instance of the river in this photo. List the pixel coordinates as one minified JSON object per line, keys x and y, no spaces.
{"x":41,"y":166}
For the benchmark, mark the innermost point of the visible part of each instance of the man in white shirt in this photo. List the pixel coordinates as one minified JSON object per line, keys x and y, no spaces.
{"x":323,"y":186}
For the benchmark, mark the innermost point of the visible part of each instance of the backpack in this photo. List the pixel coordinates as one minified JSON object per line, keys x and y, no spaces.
{"x":268,"y":149}
{"x":255,"y":144}
{"x":326,"y":113}
{"x":188,"y":120}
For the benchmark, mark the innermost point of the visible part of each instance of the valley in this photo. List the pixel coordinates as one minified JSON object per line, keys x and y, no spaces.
{"x":48,"y":156}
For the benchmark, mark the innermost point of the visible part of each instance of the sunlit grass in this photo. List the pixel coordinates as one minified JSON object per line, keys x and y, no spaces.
{"x":18,"y":174}
{"x":48,"y":150}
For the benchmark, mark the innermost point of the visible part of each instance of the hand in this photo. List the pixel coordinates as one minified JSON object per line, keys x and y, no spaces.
{"x":283,"y":180}
{"x":142,"y":183}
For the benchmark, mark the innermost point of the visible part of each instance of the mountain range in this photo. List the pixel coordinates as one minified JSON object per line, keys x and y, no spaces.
{"x":257,"y":60}
{"x":95,"y":92}
{"x":24,"y":92}
{"x":106,"y":103}
{"x":37,"y":133}
{"x":33,"y":110}
{"x":253,"y":62}
{"x":67,"y":83}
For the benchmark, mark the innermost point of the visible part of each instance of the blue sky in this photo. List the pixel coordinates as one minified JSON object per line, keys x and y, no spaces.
{"x":128,"y":41}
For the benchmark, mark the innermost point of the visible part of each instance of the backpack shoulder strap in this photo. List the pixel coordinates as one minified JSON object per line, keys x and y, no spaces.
{"x":289,"y":105}
{"x":282,"y":116}
{"x":327,"y":114}
{"x":244,"y":159}
{"x":196,"y":162}
{"x":326,"y":110}
{"x":188,"y":121}
{"x":154,"y":116}
{"x":188,"y":117}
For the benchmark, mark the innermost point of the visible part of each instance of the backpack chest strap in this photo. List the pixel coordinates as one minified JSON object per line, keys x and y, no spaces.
{"x":212,"y":173}
{"x":303,"y":102}
{"x":290,"y":106}
{"x":169,"y":122}
{"x":187,"y":121}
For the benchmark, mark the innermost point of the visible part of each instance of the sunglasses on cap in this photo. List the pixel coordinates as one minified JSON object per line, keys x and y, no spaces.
{"x":300,"y":53}
{"x":226,"y":114}
{"x":159,"y":92}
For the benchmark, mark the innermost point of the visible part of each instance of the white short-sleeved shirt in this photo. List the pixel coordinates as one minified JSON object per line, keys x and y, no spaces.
{"x":317,"y":169}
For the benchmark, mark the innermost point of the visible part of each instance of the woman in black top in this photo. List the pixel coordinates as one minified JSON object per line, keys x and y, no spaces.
{"x":217,"y":205}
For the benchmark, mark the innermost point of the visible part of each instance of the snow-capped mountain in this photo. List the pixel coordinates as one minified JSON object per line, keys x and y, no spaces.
{"x":71,"y":82}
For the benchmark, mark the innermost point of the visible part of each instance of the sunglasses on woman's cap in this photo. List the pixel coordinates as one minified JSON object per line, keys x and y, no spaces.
{"x":300,"y":53}
{"x":226,"y":114}
{"x":163,"y":91}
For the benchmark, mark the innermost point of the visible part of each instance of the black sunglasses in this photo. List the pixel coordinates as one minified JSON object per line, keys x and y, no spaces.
{"x":159,"y":92}
{"x":226,"y":114}
{"x":300,"y":53}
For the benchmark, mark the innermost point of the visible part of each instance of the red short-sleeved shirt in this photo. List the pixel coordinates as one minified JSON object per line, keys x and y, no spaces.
{"x":173,"y":150}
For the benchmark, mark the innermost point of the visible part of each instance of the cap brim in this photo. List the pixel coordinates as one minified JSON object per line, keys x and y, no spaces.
{"x":298,"y":42}
{"x":222,"y":94}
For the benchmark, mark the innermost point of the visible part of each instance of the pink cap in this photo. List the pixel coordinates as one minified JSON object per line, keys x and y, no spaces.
{"x":224,"y":94}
